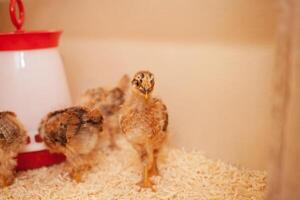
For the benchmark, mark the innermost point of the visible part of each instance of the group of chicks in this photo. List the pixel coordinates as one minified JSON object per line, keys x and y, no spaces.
{"x":77,"y":131}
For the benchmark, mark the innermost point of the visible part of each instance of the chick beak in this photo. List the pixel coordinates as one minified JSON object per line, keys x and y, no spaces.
{"x":146,"y":95}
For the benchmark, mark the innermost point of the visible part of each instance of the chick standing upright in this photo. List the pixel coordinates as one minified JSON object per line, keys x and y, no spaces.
{"x":109,"y":103}
{"x":74,"y":132}
{"x":144,"y":122}
{"x":12,"y":141}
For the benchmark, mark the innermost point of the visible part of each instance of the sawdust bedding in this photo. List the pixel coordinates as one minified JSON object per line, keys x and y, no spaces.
{"x":185,"y":175}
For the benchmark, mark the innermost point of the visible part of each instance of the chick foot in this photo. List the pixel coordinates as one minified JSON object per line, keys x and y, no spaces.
{"x":146,"y":182}
{"x":77,"y":174}
{"x":6,"y":181}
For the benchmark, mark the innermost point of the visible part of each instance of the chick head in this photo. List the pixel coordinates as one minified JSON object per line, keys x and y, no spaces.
{"x":143,"y":83}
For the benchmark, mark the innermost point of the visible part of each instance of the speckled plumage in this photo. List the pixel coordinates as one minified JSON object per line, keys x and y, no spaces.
{"x":12,"y":141}
{"x":75,"y":132}
{"x":109,"y":102}
{"x":144,"y":122}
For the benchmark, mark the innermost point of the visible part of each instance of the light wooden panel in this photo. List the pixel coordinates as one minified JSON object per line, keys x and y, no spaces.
{"x":285,"y":174}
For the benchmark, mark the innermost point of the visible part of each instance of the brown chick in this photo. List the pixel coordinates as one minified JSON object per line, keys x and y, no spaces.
{"x":75,"y":132}
{"x":144,"y":122}
{"x":109,"y":103}
{"x":12,"y":141}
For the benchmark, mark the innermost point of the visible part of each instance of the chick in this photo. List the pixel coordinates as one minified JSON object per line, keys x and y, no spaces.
{"x":109,"y":103}
{"x":144,"y":122}
{"x":12,"y":141}
{"x":75,"y":132}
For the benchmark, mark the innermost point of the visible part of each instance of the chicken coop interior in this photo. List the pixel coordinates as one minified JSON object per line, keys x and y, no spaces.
{"x":227,"y":70}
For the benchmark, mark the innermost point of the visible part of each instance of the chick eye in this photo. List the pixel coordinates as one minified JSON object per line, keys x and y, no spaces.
{"x":135,"y":82}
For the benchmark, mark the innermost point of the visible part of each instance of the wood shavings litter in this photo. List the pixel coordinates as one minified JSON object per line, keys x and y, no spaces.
{"x":185,"y":175}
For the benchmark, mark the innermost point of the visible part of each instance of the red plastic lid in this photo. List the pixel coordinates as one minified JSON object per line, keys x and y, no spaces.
{"x":29,"y":40}
{"x":20,"y":40}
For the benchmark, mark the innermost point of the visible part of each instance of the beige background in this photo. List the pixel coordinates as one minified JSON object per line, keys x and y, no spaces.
{"x":213,"y":62}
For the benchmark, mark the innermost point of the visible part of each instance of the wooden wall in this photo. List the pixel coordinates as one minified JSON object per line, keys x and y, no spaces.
{"x":285,"y":165}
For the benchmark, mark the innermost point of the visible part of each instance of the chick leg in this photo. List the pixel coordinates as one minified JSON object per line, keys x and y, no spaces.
{"x":77,"y":165}
{"x":6,"y":180}
{"x":154,"y":169}
{"x":112,"y":139}
{"x":83,"y":163}
{"x":78,"y":170}
{"x":147,"y":159}
{"x":79,"y":155}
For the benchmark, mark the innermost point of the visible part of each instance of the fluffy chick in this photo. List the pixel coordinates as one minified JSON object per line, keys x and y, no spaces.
{"x":144,"y":122}
{"x":12,"y":141}
{"x":75,"y":132}
{"x":109,"y":102}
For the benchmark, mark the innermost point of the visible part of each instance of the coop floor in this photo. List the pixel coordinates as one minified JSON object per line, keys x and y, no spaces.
{"x":184,"y":175}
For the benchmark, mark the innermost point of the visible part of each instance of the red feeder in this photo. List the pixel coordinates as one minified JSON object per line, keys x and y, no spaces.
{"x":32,"y":83}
